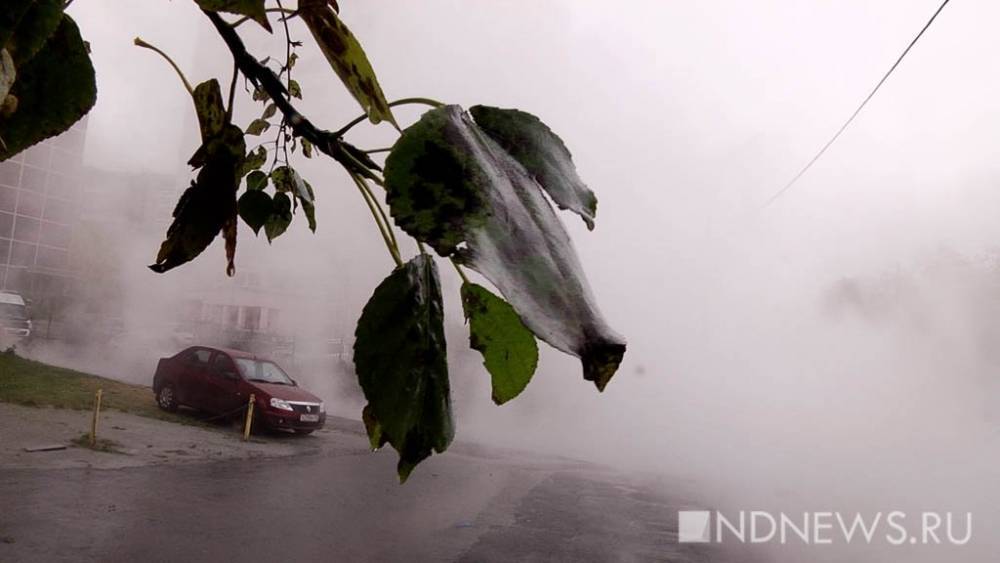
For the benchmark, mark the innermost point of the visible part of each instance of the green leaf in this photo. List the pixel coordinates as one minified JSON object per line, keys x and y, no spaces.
{"x":252,"y":8}
{"x":375,"y":437}
{"x":53,"y":91}
{"x":401,"y":361}
{"x":542,"y":153}
{"x":255,"y":208}
{"x":307,"y":148}
{"x":34,"y":29}
{"x":347,"y":58}
{"x":294,"y":90}
{"x":256,"y":181}
{"x":259,"y":95}
{"x":257,"y":126}
{"x":280,"y":217}
{"x":448,"y":183}
{"x":292,"y":59}
{"x":509,"y":350}
{"x":269,"y":111}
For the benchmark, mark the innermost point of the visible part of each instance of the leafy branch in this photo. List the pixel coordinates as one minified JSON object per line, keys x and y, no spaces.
{"x":472,"y":185}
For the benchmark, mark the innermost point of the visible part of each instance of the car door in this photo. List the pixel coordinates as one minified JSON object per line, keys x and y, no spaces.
{"x":222,"y":384}
{"x":194,"y":372}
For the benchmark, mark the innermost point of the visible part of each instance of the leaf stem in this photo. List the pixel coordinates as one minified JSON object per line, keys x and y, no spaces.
{"x":385,"y":218}
{"x":399,"y":102}
{"x":461,"y":274}
{"x":187,"y":85}
{"x":383,"y":149}
{"x":393,"y":251}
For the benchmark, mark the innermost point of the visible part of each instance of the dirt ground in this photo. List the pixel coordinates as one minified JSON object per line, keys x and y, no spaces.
{"x":138,"y":441}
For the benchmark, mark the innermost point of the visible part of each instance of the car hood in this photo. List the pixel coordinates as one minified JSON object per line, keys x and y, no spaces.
{"x":286,"y":392}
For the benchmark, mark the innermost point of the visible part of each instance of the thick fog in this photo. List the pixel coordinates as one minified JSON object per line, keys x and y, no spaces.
{"x":834,"y":350}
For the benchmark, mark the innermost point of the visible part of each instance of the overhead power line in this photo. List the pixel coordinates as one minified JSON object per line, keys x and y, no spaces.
{"x":857,"y":111}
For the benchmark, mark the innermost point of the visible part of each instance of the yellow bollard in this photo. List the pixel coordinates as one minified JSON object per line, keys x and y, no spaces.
{"x":93,"y":423}
{"x":249,"y":420}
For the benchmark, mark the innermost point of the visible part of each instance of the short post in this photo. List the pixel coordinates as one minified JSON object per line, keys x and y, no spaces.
{"x":93,"y":423}
{"x":249,"y":420}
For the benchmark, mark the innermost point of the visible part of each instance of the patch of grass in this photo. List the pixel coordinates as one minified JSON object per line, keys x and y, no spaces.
{"x":102,"y":445}
{"x":34,"y":384}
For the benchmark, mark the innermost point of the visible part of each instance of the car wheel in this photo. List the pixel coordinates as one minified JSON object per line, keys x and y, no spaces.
{"x":167,"y":398}
{"x":304,"y":431}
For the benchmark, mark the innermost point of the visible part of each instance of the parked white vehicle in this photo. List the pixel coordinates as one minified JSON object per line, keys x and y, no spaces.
{"x":14,"y":318}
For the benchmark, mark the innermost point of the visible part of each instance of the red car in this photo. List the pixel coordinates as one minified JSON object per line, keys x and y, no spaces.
{"x":220,"y":381}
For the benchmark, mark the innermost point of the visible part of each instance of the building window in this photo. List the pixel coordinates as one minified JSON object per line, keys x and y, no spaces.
{"x":29,"y":204}
{"x":32,"y":179}
{"x":27,"y":229}
{"x":22,"y":254}
{"x":6,"y":225}
{"x":10,"y":173}
{"x":251,"y":318}
{"x":52,"y":234}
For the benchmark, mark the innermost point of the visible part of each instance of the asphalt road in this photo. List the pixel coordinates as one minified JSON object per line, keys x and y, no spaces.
{"x":342,"y":503}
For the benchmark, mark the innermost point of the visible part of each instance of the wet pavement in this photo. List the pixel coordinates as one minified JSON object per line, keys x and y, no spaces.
{"x":342,"y":503}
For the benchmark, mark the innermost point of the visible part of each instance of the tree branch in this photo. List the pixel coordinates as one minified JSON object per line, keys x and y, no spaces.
{"x":264,"y":78}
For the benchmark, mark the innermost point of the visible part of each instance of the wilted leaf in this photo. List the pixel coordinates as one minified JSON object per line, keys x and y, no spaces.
{"x":34,"y":28}
{"x":210,"y":109}
{"x":256,"y":181}
{"x":543,"y":155}
{"x":347,"y":58}
{"x":8,"y":73}
{"x":255,"y":208}
{"x":53,"y":90}
{"x":257,"y":126}
{"x":401,"y":361}
{"x":252,"y":8}
{"x":229,"y":234}
{"x":209,"y":205}
{"x":10,"y":16}
{"x":287,"y":179}
{"x":309,"y":206}
{"x":254,"y":160}
{"x":280,"y":217}
{"x":447,"y":183}
{"x":509,"y":350}
{"x":281,"y":177}
{"x":269,"y":111}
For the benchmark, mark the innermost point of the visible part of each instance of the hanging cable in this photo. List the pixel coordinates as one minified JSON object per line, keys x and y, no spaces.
{"x":857,"y":111}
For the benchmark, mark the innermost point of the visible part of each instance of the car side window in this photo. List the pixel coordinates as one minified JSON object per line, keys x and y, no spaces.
{"x":198,"y":357}
{"x":221,"y":364}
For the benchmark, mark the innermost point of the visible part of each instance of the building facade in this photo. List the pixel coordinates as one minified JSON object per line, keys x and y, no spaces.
{"x":39,"y":202}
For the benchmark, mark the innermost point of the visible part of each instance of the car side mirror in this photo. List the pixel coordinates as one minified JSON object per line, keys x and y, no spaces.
{"x":294,"y":383}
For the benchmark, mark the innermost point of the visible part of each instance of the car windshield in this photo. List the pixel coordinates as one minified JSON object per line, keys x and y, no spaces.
{"x":265,"y":372}
{"x":12,"y":311}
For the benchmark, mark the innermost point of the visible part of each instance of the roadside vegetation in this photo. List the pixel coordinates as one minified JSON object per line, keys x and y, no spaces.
{"x":34,"y":384}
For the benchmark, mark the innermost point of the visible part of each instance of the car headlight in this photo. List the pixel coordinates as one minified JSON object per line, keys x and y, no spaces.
{"x":280,"y":404}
